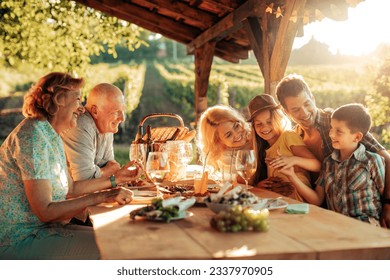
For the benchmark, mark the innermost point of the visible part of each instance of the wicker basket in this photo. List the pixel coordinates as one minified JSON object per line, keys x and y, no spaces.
{"x":161,"y":135}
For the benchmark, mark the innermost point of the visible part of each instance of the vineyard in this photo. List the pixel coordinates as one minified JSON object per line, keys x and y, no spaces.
{"x":231,"y":84}
{"x":237,"y":84}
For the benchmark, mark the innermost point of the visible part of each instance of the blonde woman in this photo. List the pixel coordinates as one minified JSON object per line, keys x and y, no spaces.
{"x":222,"y":130}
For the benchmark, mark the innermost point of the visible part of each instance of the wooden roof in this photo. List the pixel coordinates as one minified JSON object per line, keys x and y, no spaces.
{"x":228,"y":29}
{"x":194,"y":22}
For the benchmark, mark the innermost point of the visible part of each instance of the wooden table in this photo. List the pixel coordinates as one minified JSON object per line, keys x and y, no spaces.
{"x":321,"y":234}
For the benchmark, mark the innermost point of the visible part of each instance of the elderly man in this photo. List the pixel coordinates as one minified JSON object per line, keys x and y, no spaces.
{"x":89,"y":146}
{"x":313,"y":124}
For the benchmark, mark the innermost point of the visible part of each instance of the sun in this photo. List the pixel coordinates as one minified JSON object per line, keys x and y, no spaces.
{"x":365,"y":29}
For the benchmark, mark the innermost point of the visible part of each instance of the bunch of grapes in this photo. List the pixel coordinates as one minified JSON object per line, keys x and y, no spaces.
{"x":240,"y":218}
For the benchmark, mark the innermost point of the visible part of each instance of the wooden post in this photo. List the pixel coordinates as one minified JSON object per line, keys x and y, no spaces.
{"x":284,"y":39}
{"x":271,"y":39}
{"x":203,"y":62}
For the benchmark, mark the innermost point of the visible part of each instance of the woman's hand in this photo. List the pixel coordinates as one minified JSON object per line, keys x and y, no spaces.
{"x":120,"y":195}
{"x":283,"y":162}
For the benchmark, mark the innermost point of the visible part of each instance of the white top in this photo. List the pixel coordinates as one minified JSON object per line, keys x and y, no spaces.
{"x":86,"y":149}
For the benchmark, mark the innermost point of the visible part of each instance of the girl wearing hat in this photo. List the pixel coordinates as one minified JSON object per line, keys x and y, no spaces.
{"x":278,"y":149}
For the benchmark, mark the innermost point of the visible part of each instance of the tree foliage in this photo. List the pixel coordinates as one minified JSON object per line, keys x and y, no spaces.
{"x":378,"y":99}
{"x":60,"y":35}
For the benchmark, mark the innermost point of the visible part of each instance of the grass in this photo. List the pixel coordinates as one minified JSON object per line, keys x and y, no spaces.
{"x":121,"y":152}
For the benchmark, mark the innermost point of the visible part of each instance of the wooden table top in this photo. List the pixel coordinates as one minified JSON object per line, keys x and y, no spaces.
{"x":320,"y":234}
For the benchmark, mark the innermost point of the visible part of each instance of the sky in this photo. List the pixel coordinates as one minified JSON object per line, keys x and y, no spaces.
{"x":367,"y":26}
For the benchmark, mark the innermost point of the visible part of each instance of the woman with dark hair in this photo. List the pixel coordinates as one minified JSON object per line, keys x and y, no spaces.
{"x":37,"y":195}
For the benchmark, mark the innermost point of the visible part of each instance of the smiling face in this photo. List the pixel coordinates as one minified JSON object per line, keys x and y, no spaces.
{"x":263,"y":125}
{"x":70,"y":109}
{"x":301,"y":109}
{"x":110,"y":114}
{"x":106,"y":105}
{"x":232,"y":134}
{"x":342,"y":137}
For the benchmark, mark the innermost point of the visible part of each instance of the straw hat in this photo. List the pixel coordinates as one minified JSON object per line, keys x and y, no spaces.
{"x":260,"y":103}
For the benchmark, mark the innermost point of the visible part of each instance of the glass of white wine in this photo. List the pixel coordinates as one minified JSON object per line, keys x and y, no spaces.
{"x":157,"y":167}
{"x":137,"y":152}
{"x":246,"y":164}
{"x":188,"y":153}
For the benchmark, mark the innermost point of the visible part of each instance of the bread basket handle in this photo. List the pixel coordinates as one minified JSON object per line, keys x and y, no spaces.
{"x":157,"y":115}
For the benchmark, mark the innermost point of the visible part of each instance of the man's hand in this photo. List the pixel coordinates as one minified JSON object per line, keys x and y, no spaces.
{"x":110,"y":168}
{"x":130,"y":172}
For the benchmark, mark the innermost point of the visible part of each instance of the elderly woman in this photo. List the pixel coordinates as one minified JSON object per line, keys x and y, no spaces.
{"x":222,"y":130}
{"x":37,"y":195}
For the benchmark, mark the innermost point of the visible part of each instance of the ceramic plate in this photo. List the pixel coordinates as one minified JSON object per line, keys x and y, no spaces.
{"x":182,"y":215}
{"x":146,"y":186}
{"x":280,"y":203}
{"x":144,"y":196}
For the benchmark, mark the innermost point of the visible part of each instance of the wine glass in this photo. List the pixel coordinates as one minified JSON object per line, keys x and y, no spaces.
{"x":188,"y":153}
{"x":246,"y":164}
{"x":157,"y":167}
{"x":137,"y":152}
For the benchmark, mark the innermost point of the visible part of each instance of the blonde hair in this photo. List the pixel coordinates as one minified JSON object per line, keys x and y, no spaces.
{"x":42,"y":100}
{"x":208,"y":142}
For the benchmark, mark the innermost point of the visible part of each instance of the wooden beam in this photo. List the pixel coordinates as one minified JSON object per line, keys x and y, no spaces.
{"x":180,"y":10}
{"x":335,"y":10}
{"x":203,"y":61}
{"x":267,"y":45}
{"x":252,"y":26}
{"x":232,"y":49}
{"x":215,"y":7}
{"x":227,"y":57}
{"x":281,"y":50}
{"x":228,"y":24}
{"x":144,"y":18}
{"x":271,"y":39}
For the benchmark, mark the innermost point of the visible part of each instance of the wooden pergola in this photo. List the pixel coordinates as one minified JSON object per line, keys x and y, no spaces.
{"x":228,"y":29}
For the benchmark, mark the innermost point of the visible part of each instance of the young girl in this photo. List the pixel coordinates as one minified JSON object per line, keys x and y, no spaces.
{"x":278,"y":149}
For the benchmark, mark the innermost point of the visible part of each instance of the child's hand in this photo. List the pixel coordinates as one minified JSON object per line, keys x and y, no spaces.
{"x":283,"y":162}
{"x":288,"y":171}
{"x":269,"y":182}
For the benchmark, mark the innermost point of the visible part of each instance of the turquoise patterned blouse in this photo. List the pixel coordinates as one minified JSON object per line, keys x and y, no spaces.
{"x":33,"y":150}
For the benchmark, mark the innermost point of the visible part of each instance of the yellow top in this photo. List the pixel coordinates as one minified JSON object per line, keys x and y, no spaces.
{"x":282,"y":146}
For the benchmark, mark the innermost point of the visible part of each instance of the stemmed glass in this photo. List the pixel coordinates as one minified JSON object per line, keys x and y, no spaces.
{"x":246,"y":164}
{"x":157,"y":167}
{"x":188,"y":153}
{"x":137,"y":152}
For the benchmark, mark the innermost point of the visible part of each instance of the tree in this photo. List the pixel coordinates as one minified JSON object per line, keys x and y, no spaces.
{"x":60,"y":35}
{"x":378,"y":99}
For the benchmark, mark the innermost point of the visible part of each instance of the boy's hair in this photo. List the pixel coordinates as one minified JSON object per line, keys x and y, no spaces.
{"x":355,"y":116}
{"x":291,"y":86}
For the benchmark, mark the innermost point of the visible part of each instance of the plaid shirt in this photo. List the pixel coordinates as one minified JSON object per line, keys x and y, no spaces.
{"x":322,"y":124}
{"x":353,"y":187}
